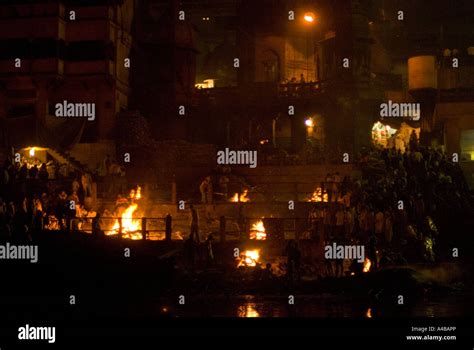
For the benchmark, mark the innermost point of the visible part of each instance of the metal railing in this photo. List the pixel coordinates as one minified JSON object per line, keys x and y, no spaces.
{"x":224,"y":229}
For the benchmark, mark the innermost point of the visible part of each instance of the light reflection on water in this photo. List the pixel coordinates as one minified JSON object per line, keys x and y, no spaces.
{"x":333,"y":307}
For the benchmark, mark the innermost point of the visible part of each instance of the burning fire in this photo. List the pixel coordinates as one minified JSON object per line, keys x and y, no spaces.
{"x":248,"y":311}
{"x":368,"y":314}
{"x":319,"y":196}
{"x":131,"y":228}
{"x":243,"y":197}
{"x":367,"y":264}
{"x":136,"y":194}
{"x":249,"y":258}
{"x":257,"y":231}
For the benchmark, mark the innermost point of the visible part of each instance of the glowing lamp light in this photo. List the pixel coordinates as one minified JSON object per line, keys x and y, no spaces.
{"x":309,"y":122}
{"x":309,"y":17}
{"x":32,"y":152}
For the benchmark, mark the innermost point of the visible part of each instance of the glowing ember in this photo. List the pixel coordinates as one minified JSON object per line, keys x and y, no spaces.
{"x":368,"y":314}
{"x":248,"y":258}
{"x":319,"y":196}
{"x":367,"y":264}
{"x":257,"y":231}
{"x":243,"y":197}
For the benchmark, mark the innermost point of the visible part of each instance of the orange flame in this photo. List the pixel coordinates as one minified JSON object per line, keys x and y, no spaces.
{"x":319,"y":196}
{"x":257,"y":231}
{"x":248,"y":258}
{"x":131,"y":227}
{"x":243,"y":197}
{"x":367,"y":265}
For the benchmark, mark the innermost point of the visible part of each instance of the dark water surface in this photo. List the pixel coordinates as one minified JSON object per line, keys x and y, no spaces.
{"x":454,"y":305}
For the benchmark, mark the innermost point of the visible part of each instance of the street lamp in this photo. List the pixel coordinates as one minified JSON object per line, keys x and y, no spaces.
{"x":309,"y":17}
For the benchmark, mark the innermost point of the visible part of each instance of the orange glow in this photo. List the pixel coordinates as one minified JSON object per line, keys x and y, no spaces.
{"x":248,"y":311}
{"x":136,"y":194}
{"x":131,"y":227}
{"x":243,"y":197}
{"x":257,"y":231}
{"x":309,"y":17}
{"x":318,"y":196}
{"x":367,"y":265}
{"x":368,"y":314}
{"x":249,"y":258}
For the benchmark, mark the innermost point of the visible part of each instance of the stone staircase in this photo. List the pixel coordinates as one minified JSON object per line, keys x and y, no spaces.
{"x":65,"y":157}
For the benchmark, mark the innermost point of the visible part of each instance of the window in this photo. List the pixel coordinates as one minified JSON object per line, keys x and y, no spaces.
{"x":467,"y":144}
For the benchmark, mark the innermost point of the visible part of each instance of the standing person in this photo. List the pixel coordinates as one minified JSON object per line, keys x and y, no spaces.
{"x":224,"y":186}
{"x":327,"y":223}
{"x":379,"y":223}
{"x":61,"y":208}
{"x":106,"y":164}
{"x":194,"y":224}
{"x":339,"y":224}
{"x":336,"y":186}
{"x":33,"y":172}
{"x":371,"y":221}
{"x":96,"y":228}
{"x":293,"y":261}
{"x":43,"y":172}
{"x":372,"y":251}
{"x":313,"y":223}
{"x":84,"y":184}
{"x":348,"y":224}
{"x":209,"y":251}
{"x":388,"y":227}
{"x":329,"y":187}
{"x":209,"y":193}
{"x":241,"y":223}
{"x":413,"y":142}
{"x":203,"y":189}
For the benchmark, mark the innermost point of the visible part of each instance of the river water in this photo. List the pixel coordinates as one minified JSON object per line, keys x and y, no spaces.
{"x":453,"y":305}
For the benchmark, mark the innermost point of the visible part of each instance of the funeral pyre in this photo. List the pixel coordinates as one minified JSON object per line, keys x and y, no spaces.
{"x":243,"y":197}
{"x":257,"y":231}
{"x":128,"y":223}
{"x":318,"y":196}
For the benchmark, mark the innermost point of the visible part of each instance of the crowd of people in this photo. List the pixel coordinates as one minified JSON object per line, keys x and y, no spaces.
{"x":397,"y":208}
{"x":37,"y":195}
